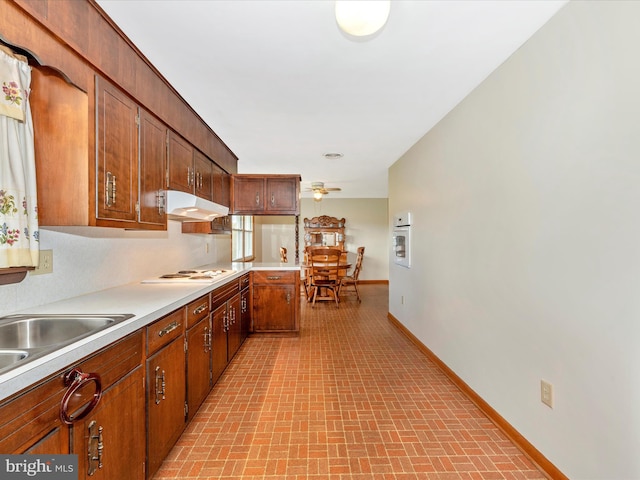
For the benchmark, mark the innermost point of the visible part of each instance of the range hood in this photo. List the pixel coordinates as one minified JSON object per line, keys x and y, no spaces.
{"x":186,"y":207}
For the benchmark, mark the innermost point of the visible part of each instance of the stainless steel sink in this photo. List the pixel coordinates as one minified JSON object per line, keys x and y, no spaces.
{"x":26,"y":337}
{"x":9,"y":357}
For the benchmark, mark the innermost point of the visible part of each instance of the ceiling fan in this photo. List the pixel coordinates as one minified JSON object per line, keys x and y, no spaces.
{"x":319,"y":190}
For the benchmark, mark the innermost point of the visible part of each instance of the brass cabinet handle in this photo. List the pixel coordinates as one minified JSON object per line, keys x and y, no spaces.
{"x":110,"y":189}
{"x":168,"y":329}
{"x":75,"y":380}
{"x":200,"y":309}
{"x":273,"y":277}
{"x":161,"y":201}
{"x":160,"y":380}
{"x":273,"y":200}
{"x":257,"y":198}
{"x":207,"y":339}
{"x":95,"y":448}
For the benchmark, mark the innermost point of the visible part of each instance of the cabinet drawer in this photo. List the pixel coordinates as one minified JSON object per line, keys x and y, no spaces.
{"x":160,"y":333}
{"x":197,"y":310}
{"x":29,"y":417}
{"x":245,"y":281}
{"x":277,"y":277}
{"x":117,"y":360}
{"x":224,"y":293}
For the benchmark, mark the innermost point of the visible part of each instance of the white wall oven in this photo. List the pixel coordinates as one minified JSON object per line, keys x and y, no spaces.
{"x":401,"y":241}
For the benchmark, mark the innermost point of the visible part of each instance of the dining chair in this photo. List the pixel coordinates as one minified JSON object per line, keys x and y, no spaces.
{"x":283,"y":255}
{"x":351,"y":280}
{"x":324,"y":278}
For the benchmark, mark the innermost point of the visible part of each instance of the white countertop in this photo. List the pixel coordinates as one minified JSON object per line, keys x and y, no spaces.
{"x":147,"y":302}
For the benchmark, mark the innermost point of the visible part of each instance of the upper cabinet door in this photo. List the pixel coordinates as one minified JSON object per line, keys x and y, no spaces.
{"x":117,"y":154}
{"x":248,"y":195}
{"x":265,"y":194}
{"x":203,"y":175}
{"x":282,"y":195}
{"x":181,"y":172}
{"x":221,"y":184}
{"x":153,"y":164}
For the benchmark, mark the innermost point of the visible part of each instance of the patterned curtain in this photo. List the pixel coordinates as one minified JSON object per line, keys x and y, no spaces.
{"x":19,"y":245}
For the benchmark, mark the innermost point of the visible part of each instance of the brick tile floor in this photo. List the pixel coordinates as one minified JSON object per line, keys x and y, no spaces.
{"x":350,"y":398}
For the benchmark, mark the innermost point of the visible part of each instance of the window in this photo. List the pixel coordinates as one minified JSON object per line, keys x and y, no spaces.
{"x":242,"y":238}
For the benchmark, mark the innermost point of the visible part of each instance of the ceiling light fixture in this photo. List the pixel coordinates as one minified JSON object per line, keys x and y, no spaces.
{"x":362,"y":17}
{"x":332,"y":155}
{"x":317,"y":196}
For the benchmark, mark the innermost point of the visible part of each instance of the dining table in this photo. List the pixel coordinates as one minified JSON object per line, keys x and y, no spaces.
{"x":305,"y":269}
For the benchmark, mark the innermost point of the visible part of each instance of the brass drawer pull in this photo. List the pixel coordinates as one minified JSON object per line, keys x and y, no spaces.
{"x":273,"y":277}
{"x":168,"y":329}
{"x":200,"y":309}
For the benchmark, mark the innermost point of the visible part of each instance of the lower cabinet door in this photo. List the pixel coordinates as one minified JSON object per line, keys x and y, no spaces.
{"x":110,"y":440}
{"x":165,"y":402}
{"x":220,"y":326}
{"x":274,"y":308}
{"x":234,"y":335}
{"x":198,"y":364}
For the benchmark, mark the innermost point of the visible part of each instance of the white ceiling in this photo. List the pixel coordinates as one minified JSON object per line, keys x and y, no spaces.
{"x":282,"y":85}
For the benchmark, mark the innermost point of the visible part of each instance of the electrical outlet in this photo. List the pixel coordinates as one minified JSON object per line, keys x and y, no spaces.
{"x":546,"y":393}
{"x":45,"y":264}
{"x":402,"y":300}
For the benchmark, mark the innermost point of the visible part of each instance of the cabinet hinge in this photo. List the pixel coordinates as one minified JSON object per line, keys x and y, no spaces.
{"x":138,"y":208}
{"x":138,"y":119}
{"x":186,"y":344}
{"x":186,"y":410}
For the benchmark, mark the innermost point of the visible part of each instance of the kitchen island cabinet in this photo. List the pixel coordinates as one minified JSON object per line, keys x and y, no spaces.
{"x":276,"y":301}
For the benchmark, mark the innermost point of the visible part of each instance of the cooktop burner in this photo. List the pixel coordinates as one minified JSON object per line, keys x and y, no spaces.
{"x":202,"y":276}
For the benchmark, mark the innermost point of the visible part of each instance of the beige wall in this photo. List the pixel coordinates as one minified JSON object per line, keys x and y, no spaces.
{"x":526,"y":239}
{"x":367,"y":224}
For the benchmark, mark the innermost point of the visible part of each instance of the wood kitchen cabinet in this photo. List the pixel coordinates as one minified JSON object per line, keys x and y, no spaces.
{"x":31,"y":421}
{"x":116,"y":153}
{"x":84,"y":101}
{"x":245,"y":305}
{"x":221,"y":186}
{"x":203,"y":183}
{"x":109,"y":441}
{"x":199,"y":381}
{"x":276,"y":301}
{"x":225,"y":321}
{"x":189,"y":170}
{"x":166,"y":402}
{"x":265,"y":194}
{"x":153,"y":165}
